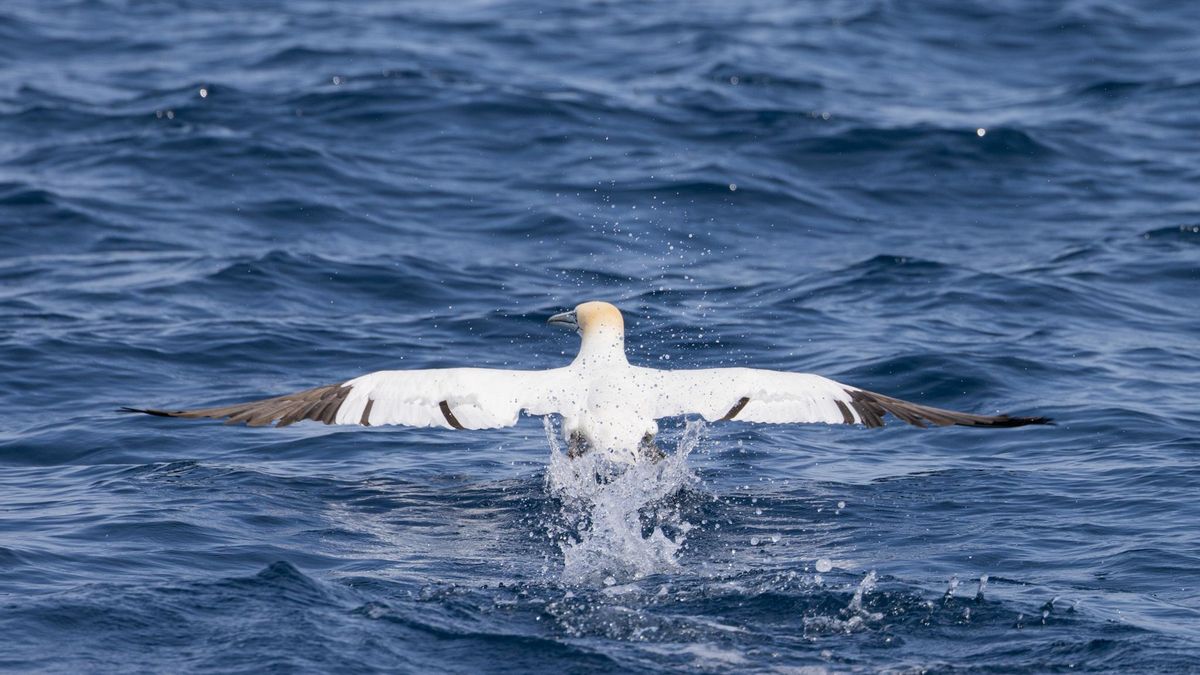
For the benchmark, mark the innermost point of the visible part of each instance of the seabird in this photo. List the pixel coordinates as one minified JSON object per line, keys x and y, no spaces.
{"x":605,"y":403}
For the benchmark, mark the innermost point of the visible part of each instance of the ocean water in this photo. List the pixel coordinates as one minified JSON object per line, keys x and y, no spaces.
{"x":986,"y":206}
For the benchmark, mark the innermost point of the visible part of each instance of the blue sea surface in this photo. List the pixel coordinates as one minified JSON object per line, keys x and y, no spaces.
{"x":987,"y":206}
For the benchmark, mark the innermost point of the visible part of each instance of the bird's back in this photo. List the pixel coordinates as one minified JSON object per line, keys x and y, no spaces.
{"x":615,"y":410}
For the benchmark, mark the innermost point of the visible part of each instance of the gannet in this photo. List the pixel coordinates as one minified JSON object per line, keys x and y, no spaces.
{"x":606,"y":403}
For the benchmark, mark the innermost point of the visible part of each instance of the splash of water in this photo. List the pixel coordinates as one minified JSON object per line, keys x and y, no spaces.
{"x":855,"y":608}
{"x":853,"y":617}
{"x":619,"y":520}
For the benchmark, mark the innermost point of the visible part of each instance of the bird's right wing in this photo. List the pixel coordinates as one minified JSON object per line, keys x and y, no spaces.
{"x":453,"y":398}
{"x":776,"y":397}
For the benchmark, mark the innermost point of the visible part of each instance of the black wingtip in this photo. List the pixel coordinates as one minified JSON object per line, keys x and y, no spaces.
{"x":1010,"y":422}
{"x":871,"y":408}
{"x":144,"y":411}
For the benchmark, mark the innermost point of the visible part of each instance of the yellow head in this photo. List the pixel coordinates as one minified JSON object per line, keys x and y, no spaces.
{"x":590,"y":318}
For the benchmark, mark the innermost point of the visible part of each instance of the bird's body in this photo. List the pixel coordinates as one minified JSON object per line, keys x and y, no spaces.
{"x":613,"y":412}
{"x":606,"y":404}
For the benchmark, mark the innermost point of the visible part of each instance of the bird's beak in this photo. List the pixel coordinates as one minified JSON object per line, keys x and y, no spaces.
{"x":565,"y":319}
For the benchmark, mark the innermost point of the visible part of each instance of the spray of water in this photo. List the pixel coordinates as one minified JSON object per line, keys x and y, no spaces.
{"x":853,"y":617}
{"x":619,"y":521}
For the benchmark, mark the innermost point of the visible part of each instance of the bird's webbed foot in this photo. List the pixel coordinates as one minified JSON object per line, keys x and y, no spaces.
{"x":577,"y":445}
{"x":650,"y":450}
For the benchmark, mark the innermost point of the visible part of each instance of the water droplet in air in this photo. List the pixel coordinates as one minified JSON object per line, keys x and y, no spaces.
{"x":754,"y":541}
{"x":824,"y":565}
{"x":981,"y":132}
{"x":733,"y":187}
{"x":203,"y":92}
{"x":841,"y":505}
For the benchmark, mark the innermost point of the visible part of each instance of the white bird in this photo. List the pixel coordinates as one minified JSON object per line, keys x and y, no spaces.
{"x":606,"y":404}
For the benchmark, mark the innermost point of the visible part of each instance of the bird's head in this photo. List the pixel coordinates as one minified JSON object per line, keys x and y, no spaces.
{"x":591,"y":318}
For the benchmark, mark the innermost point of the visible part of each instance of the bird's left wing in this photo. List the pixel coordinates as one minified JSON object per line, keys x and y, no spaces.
{"x":453,"y":398}
{"x":775,"y":397}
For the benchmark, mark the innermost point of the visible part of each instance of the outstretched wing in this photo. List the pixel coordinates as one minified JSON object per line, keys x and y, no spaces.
{"x":453,"y":398}
{"x":774,"y":397}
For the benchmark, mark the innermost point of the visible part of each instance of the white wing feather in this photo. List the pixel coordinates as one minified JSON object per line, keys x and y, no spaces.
{"x":464,"y":398}
{"x":478,"y":398}
{"x":775,"y":397}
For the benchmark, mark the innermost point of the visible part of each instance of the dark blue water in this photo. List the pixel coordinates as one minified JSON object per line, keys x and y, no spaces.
{"x":987,"y":206}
